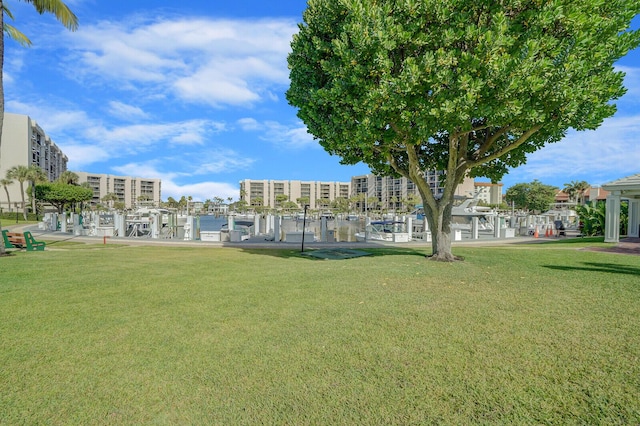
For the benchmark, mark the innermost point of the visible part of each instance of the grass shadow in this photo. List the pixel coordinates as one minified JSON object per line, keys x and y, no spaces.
{"x":599,"y":267}
{"x":289,"y":253}
{"x":573,"y":240}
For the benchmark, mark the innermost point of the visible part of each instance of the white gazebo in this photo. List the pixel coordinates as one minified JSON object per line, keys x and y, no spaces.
{"x":625,"y":188}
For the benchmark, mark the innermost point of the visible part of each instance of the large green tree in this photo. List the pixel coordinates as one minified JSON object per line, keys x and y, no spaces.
{"x":56,"y":7}
{"x":60,"y":194}
{"x":534,"y":196}
{"x":468,"y":87}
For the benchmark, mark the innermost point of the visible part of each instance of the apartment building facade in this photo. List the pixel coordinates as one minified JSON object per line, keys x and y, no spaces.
{"x":489,"y":193}
{"x":370,"y":191}
{"x":25,"y":143}
{"x":266,"y":192}
{"x":132,"y":191}
{"x":393,"y":193}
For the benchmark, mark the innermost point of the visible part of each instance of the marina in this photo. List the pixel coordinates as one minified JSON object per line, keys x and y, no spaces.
{"x":468,"y":223}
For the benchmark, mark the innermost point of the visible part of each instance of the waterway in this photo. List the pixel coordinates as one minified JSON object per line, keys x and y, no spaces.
{"x":341,"y":229}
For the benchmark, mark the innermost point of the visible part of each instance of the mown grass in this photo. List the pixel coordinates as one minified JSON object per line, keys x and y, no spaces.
{"x":541,"y":334}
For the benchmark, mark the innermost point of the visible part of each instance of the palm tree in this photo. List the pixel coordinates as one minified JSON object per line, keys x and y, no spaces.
{"x":111,"y":199}
{"x":68,"y":177}
{"x":21,"y":174}
{"x":582,"y":186}
{"x":35,"y":175}
{"x":61,"y":12}
{"x":570,"y":190}
{"x":5,"y":183}
{"x":575,"y":190}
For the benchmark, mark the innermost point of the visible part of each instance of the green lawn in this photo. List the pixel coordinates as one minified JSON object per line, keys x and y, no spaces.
{"x":534,"y":334}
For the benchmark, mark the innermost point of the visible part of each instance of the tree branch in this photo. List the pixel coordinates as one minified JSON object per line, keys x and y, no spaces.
{"x":490,"y":141}
{"x":522,"y":139}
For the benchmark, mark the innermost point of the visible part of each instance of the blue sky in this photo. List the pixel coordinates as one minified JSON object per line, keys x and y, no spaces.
{"x":193,"y":93}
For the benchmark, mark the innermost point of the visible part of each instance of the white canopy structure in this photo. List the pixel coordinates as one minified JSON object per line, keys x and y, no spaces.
{"x":625,"y":188}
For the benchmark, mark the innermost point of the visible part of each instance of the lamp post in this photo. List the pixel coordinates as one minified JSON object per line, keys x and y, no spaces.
{"x":304,"y":224}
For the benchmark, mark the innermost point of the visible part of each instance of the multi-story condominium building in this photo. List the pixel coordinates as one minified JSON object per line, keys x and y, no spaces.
{"x":132,"y":191}
{"x":24,"y":143}
{"x":267,"y":192}
{"x":489,"y":193}
{"x":392,"y":193}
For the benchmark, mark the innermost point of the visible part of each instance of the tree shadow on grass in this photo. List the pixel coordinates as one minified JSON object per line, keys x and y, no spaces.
{"x":572,"y":240}
{"x":368,"y":252}
{"x":612,"y":268}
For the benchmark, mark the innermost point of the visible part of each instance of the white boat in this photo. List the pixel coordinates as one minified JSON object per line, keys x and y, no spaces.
{"x":140,"y":222}
{"x":242,"y":230}
{"x":463,"y":214}
{"x":384,"y":230}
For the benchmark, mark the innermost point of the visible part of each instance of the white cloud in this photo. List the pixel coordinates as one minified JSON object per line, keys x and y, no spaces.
{"x":147,"y":170}
{"x":81,"y":156}
{"x":611,"y":150}
{"x":295,"y":136}
{"x":248,"y":124}
{"x":138,"y":137}
{"x":220,"y":161}
{"x":53,"y":118}
{"x":287,"y":137}
{"x":200,"y":191}
{"x":13,"y":64}
{"x":211,"y":61}
{"x":212,"y":86}
{"x":631,"y":81}
{"x":113,"y":140}
{"x":126,"y":112}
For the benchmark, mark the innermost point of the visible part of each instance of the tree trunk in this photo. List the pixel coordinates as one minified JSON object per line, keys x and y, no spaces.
{"x":439,"y":220}
{"x":437,"y":212}
{"x":33,"y":196}
{"x":24,"y":204}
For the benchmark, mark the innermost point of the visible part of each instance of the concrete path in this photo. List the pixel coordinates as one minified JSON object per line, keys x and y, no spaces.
{"x":626,"y":246}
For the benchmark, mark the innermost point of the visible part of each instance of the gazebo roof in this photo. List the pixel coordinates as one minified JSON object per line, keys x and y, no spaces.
{"x":627,"y":185}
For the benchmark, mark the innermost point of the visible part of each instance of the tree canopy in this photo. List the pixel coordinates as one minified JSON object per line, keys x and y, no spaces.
{"x":534,"y":196}
{"x":59,"y":194}
{"x":468,"y":87}
{"x":575,"y":190}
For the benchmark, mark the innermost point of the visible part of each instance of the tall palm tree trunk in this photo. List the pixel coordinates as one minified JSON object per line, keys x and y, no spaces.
{"x":2,"y":249}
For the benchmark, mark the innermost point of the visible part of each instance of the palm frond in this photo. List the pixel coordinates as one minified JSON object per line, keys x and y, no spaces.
{"x":15,"y":34}
{"x":6,"y":11}
{"x":60,"y":10}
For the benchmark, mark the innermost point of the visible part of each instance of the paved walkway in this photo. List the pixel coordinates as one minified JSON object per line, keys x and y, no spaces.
{"x":629,"y":246}
{"x":625,"y":246}
{"x":259,"y":241}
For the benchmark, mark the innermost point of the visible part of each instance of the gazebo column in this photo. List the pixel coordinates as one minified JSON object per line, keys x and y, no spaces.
{"x":634,"y":218}
{"x":612,"y":218}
